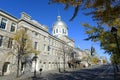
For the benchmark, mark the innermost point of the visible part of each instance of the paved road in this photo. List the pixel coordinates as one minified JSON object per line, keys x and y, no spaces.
{"x":104,"y":72}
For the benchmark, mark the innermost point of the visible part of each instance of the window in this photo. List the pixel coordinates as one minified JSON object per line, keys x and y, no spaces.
{"x":3,"y":23}
{"x":59,"y":30}
{"x":45,"y":38}
{"x":39,"y":36}
{"x":56,"y":30}
{"x":1,"y":38}
{"x":36,"y":34}
{"x":35,"y":45}
{"x":51,"y":50}
{"x":63,"y":30}
{"x":44,"y":47}
{"x":10,"y":43}
{"x":52,"y":41}
{"x":48,"y":48}
{"x":12,"y":27}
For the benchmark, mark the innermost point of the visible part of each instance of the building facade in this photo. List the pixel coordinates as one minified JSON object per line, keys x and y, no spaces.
{"x":54,"y":48}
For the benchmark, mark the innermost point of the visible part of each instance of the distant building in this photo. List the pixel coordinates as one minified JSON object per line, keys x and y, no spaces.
{"x":103,"y":60}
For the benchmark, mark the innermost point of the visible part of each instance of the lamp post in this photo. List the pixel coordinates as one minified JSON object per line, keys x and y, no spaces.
{"x":35,"y":58}
{"x":59,"y":63}
{"x":64,"y":47}
{"x":114,"y":32}
{"x":92,"y":50}
{"x":64,"y":59}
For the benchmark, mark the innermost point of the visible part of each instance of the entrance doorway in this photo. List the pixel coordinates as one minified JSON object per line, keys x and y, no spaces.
{"x":6,"y":68}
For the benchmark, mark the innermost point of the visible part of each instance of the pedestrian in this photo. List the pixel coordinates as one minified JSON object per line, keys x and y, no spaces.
{"x":41,"y":69}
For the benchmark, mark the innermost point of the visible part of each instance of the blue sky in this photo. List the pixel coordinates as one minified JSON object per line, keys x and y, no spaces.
{"x":46,"y":15}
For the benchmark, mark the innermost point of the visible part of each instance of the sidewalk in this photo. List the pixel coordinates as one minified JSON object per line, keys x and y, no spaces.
{"x":29,"y":75}
{"x":11,"y":76}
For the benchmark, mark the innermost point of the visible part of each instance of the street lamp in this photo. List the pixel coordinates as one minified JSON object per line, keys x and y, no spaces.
{"x":59,"y":63}
{"x":114,"y":32}
{"x":92,"y":50}
{"x":35,"y":58}
{"x":64,"y":47}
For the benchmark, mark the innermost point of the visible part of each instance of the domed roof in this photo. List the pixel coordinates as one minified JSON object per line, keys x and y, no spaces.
{"x":59,"y":28}
{"x":59,"y":23}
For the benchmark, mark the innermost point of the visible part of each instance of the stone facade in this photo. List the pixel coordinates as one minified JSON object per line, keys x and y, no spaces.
{"x":56,"y":49}
{"x":53,"y":50}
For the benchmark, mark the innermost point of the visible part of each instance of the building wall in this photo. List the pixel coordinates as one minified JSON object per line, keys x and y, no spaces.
{"x":48,"y":59}
{"x":6,"y":54}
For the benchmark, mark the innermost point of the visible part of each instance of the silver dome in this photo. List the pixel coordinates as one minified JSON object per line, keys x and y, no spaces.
{"x":59,"y":23}
{"x":59,"y":28}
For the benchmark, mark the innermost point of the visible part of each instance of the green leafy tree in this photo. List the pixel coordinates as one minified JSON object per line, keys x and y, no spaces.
{"x":23,"y":45}
{"x":66,"y":51}
{"x":95,"y":60}
{"x":104,"y":11}
{"x":104,"y":37}
{"x":87,"y":58}
{"x":115,"y":58}
{"x":104,"y":61}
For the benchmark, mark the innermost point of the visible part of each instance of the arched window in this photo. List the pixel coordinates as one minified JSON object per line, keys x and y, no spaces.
{"x":56,"y":30}
{"x":59,"y":30}
{"x":5,"y":67}
{"x":63,"y":30}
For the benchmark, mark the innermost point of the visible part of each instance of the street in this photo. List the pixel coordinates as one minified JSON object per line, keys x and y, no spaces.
{"x":104,"y":72}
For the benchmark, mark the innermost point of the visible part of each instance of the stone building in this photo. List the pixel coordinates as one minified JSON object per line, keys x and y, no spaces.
{"x":54,"y":48}
{"x":103,"y":60}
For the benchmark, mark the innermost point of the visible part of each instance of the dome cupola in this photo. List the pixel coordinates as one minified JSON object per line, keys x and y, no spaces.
{"x":59,"y":28}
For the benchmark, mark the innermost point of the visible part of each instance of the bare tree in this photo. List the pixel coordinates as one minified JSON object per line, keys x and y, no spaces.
{"x":23,"y":46}
{"x":67,"y":50}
